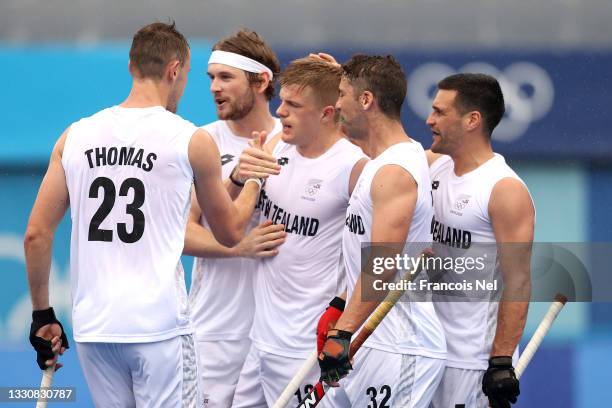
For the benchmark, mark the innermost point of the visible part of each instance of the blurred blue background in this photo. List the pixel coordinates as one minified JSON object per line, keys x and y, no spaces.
{"x":60,"y":64}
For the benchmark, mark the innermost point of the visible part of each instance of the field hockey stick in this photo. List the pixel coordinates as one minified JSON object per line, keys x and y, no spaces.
{"x":45,"y":384}
{"x":538,"y":336}
{"x":318,"y":392}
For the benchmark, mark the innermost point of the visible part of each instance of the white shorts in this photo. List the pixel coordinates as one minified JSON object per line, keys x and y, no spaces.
{"x":460,"y":388}
{"x":158,"y":374}
{"x":220,"y":363}
{"x":385,"y":380}
{"x":265,"y":376}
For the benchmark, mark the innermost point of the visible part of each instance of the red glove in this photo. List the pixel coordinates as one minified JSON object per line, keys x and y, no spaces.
{"x":328,"y":320}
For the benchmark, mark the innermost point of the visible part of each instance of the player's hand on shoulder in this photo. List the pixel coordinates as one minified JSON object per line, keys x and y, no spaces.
{"x":499,"y":382}
{"x":255,"y":161}
{"x":262,"y":241}
{"x":48,"y":338}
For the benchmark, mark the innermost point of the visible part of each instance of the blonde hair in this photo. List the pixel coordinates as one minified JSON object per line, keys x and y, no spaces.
{"x":322,"y":77}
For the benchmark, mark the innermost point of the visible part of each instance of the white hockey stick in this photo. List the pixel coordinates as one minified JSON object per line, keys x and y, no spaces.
{"x":539,"y":334}
{"x":45,"y":384}
{"x":295,"y":382}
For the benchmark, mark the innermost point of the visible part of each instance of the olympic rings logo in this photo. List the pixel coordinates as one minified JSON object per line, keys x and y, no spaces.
{"x":528,"y":93}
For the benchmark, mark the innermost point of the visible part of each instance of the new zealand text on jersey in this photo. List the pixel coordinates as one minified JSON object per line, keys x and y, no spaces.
{"x":450,"y":236}
{"x":294,"y":224}
{"x":121,"y":156}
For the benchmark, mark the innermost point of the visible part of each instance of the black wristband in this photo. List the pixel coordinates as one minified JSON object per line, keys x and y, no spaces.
{"x":233,"y":180}
{"x":500,"y":362}
{"x":338,"y":303}
{"x":43,"y":317}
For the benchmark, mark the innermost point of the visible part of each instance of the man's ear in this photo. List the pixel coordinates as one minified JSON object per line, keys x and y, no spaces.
{"x":473,"y":120}
{"x":262,"y":84}
{"x":172,"y":70}
{"x":366,"y":99}
{"x":329,"y":113}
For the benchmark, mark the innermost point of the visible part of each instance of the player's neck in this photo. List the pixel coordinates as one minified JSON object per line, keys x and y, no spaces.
{"x":258,"y":119}
{"x":384,"y":133}
{"x":471,"y":156}
{"x":320,"y":143}
{"x":146,"y":93}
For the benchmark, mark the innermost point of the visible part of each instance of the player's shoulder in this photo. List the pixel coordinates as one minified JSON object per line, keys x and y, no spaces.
{"x":347,"y":153}
{"x":349,"y":147}
{"x":439,"y":162}
{"x":95,"y":117}
{"x":408,"y":154}
{"x":215,"y":130}
{"x":179,"y":120}
{"x":213,"y":127}
{"x":497,"y":169}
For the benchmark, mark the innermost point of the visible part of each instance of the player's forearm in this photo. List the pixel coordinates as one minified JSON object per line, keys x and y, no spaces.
{"x":356,"y":312}
{"x":245,"y":205}
{"x":514,"y":305}
{"x":233,"y":189}
{"x":201,"y":242}
{"x":511,"y":320}
{"x":37,"y":246}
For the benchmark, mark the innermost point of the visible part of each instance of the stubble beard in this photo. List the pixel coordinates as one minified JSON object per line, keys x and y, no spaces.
{"x":239,"y":109}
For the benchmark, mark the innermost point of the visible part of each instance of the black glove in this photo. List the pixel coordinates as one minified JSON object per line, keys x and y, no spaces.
{"x":43,"y":349}
{"x":334,"y":358}
{"x":499,"y":382}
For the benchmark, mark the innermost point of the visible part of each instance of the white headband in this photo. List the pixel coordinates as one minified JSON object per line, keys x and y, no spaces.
{"x":238,"y":61}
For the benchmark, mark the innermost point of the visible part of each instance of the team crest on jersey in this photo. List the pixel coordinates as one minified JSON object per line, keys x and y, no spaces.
{"x":282,"y":161}
{"x":226,"y":158}
{"x":462,"y":201}
{"x":311,"y":189}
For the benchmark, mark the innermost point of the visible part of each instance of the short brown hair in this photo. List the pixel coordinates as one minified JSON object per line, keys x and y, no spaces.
{"x":381,"y":75}
{"x":249,"y":44}
{"x":322,"y":77}
{"x":154,"y":46}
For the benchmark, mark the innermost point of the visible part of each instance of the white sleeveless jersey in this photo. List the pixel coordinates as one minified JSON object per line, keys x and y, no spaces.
{"x":221,"y":293}
{"x":411,"y":327}
{"x":461,"y":226}
{"x":129,"y":181}
{"x":292,"y":289}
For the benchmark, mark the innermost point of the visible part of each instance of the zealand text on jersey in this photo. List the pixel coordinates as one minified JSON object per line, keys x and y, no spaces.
{"x":450,"y":236}
{"x":121,"y":156}
{"x":294,"y":224}
{"x":355,"y":224}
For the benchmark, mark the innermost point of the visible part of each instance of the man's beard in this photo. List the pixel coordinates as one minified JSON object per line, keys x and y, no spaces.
{"x":239,"y":109}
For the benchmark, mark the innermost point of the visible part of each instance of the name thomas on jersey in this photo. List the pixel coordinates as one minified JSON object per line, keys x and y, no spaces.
{"x":122,"y":156}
